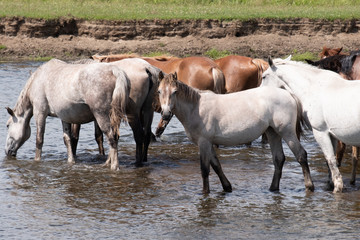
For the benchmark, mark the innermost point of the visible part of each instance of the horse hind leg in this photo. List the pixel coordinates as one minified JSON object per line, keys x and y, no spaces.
{"x":340,"y":150}
{"x":355,"y":157}
{"x":99,"y":138}
{"x":301,"y":157}
{"x":278,"y":157}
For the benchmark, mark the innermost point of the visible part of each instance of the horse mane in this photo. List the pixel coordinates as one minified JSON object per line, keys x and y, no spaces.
{"x":348,"y":61}
{"x":23,"y":100}
{"x":83,"y":61}
{"x":333,"y":63}
{"x":183,"y":90}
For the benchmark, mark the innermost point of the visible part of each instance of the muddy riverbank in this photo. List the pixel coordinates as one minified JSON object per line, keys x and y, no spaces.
{"x":23,"y":38}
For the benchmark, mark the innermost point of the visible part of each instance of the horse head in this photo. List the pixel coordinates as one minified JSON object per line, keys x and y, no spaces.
{"x":273,"y":76}
{"x":18,"y":132}
{"x":167,"y":93}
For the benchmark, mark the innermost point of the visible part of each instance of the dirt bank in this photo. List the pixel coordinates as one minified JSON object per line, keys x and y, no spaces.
{"x":23,"y":38}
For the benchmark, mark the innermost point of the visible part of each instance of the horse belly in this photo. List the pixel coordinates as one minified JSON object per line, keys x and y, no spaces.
{"x":79,"y":113}
{"x":238,"y":136}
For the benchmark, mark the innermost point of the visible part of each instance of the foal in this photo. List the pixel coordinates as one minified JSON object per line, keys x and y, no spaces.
{"x":233,"y":119}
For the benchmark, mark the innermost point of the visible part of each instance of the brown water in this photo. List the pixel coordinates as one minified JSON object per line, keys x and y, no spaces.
{"x":163,"y":200}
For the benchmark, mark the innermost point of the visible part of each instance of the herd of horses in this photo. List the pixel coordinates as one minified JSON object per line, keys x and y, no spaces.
{"x":227,"y":101}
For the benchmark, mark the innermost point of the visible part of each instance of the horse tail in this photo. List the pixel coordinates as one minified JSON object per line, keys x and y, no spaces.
{"x":219,"y":80}
{"x":261,"y":66}
{"x":120,"y":98}
{"x":300,"y":121}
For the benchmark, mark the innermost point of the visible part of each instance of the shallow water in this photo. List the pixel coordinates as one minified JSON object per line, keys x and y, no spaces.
{"x":54,"y":200}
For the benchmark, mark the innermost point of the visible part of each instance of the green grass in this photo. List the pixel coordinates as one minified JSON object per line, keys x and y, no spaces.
{"x":2,"y":47}
{"x":181,"y":9}
{"x":215,"y":54}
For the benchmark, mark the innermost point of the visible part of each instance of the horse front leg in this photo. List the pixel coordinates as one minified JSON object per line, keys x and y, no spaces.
{"x":215,"y":164}
{"x":138,"y":133}
{"x":328,"y":146}
{"x":205,"y":154}
{"x":67,"y":141}
{"x":40,"y":130}
{"x":74,"y":137}
{"x":355,"y":157}
{"x":99,"y":138}
{"x":161,"y":126}
{"x":147,"y":118}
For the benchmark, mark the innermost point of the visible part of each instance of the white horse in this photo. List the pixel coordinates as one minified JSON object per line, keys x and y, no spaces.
{"x":234,"y":119}
{"x":331,"y":106}
{"x":75,"y":93}
{"x":143,"y":79}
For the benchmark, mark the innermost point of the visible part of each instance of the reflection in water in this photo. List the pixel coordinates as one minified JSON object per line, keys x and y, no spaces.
{"x":54,"y":200}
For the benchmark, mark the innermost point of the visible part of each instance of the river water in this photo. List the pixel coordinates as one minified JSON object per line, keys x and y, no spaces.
{"x":162,"y":200}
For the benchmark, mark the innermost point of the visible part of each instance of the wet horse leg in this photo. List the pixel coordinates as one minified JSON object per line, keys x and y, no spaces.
{"x":340,"y":149}
{"x":138,"y":132}
{"x":278,"y":157}
{"x":355,"y":156}
{"x":68,"y":142}
{"x":99,"y":138}
{"x":328,"y":145}
{"x":146,"y":120}
{"x":161,"y":126}
{"x":301,"y":156}
{"x":40,"y":130}
{"x":215,"y":164}
{"x":207,"y":157}
{"x":74,"y":137}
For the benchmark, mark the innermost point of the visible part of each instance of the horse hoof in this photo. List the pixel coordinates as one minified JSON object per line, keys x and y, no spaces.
{"x":310,"y":188}
{"x":139,"y":164}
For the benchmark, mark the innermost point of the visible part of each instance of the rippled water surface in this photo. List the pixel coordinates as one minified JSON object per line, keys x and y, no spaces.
{"x":163,"y":200}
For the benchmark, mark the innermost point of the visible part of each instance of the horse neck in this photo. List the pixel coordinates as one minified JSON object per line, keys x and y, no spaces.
{"x":300,"y":82}
{"x":187,"y":100}
{"x":23,"y":105}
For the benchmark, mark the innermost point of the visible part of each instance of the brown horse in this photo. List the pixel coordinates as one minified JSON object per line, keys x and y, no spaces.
{"x":348,"y":66}
{"x":241,"y":72}
{"x":198,"y":72}
{"x":328,"y":52}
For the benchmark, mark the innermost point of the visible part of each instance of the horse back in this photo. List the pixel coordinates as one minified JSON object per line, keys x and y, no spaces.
{"x":197,"y":72}
{"x":240,"y":72}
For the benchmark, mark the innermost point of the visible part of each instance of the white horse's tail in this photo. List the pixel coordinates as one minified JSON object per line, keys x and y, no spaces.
{"x":300,"y":121}
{"x":219,"y":80}
{"x":120,"y":98}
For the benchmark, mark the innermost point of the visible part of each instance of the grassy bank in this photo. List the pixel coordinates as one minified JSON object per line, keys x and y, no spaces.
{"x":181,"y":9}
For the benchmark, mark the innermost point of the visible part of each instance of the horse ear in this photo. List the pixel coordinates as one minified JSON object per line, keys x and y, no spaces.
{"x":270,"y":61}
{"x":161,"y":75}
{"x":10,"y":111}
{"x":175,"y":75}
{"x":339,"y":50}
{"x":288,"y":58}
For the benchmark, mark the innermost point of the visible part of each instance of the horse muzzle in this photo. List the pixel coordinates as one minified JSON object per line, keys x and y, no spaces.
{"x":166,"y":115}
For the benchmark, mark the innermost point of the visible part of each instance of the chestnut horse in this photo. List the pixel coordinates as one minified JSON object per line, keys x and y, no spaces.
{"x":198,"y":72}
{"x":328,"y":52}
{"x":348,"y":66}
{"x":241,"y":72}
